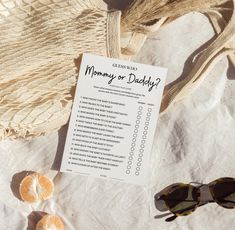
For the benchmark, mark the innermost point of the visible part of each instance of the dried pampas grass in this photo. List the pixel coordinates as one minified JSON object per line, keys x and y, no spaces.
{"x":145,"y":12}
{"x":141,"y":16}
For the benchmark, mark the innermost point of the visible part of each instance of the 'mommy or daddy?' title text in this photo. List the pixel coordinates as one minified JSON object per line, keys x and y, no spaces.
{"x":146,"y":81}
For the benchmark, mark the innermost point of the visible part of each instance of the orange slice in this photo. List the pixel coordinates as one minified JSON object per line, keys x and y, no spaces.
{"x":50,"y":222}
{"x":36,"y":187}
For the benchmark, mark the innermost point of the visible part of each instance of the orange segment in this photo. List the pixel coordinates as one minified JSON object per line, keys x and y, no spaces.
{"x":50,"y":222}
{"x":36,"y":187}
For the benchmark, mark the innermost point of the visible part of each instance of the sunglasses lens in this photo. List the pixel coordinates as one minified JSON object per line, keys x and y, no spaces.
{"x":224,"y":192}
{"x":182,"y":200}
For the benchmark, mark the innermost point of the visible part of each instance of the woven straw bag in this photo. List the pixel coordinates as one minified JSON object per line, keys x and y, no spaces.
{"x":41,"y":41}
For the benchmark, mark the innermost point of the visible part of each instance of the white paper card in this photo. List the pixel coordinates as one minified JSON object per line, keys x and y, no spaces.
{"x":113,"y":119}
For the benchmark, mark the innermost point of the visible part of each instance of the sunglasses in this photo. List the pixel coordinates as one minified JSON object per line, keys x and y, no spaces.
{"x":183,"y":199}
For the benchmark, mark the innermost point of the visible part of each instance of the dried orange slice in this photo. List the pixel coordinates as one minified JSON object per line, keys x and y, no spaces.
{"x":36,"y":187}
{"x":50,"y":222}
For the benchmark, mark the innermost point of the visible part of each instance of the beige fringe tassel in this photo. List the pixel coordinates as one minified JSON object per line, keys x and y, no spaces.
{"x":141,"y":16}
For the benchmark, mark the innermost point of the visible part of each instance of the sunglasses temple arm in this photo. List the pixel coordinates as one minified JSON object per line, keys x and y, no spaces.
{"x":169,"y":219}
{"x":166,"y":214}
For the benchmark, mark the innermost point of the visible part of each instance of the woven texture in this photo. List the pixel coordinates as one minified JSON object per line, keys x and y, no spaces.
{"x":39,"y":41}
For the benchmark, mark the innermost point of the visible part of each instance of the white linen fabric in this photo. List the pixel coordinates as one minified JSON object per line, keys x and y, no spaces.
{"x":194,"y":141}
